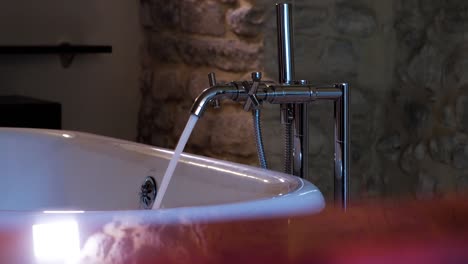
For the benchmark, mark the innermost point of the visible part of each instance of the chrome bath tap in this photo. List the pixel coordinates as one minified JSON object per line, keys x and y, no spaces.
{"x":293,"y":96}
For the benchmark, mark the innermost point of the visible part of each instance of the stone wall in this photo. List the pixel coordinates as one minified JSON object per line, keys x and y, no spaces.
{"x":404,"y":59}
{"x":185,"y":40}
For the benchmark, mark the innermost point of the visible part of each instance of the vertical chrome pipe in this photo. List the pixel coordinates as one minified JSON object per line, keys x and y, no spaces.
{"x":341,"y":170}
{"x":296,"y":115}
{"x":285,"y":42}
{"x":286,"y":76}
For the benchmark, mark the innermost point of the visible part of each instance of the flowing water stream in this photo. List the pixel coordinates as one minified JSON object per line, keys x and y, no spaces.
{"x":175,"y":158}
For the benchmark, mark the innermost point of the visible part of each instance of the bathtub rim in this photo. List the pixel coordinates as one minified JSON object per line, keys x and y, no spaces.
{"x":305,"y":198}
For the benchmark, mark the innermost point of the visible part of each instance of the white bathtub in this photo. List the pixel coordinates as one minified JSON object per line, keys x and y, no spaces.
{"x":64,"y":170}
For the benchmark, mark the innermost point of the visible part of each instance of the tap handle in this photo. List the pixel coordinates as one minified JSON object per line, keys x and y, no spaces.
{"x":301,"y":82}
{"x":252,"y":101}
{"x":256,"y":76}
{"x":212,"y":81}
{"x":212,"y":78}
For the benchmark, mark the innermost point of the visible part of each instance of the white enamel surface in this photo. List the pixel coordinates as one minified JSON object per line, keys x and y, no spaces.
{"x":64,"y":170}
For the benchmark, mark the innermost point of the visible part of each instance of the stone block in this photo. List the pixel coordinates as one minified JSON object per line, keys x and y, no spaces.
{"x":230,"y":2}
{"x":455,"y":73}
{"x":202,"y":17}
{"x":146,"y":81}
{"x":364,"y":114}
{"x":412,"y":157}
{"x":453,"y":18}
{"x":462,"y":112}
{"x":198,"y":82}
{"x":426,"y":186}
{"x":339,"y":59}
{"x":245,"y":20}
{"x":441,"y":148}
{"x":418,"y":119}
{"x":146,"y":19}
{"x":220,"y":133}
{"x":309,"y":19}
{"x":169,"y":83}
{"x":410,"y":27}
{"x":425,"y":68}
{"x":164,"y":14}
{"x":164,"y":114}
{"x":390,"y":146}
{"x":460,"y":157}
{"x":357,"y":21}
{"x":163,"y":48}
{"x":231,"y":131}
{"x":226,"y":54}
{"x":449,"y":119}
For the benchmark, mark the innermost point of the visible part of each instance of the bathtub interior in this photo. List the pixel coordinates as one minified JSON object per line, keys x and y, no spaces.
{"x":63,"y":170}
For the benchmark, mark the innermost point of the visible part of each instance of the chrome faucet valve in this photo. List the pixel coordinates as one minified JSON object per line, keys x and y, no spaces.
{"x":256,"y":76}
{"x":212,"y":81}
{"x":301,"y":82}
{"x":251,"y":90}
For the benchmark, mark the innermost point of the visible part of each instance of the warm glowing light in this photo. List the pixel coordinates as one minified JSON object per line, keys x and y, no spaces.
{"x":57,"y":242}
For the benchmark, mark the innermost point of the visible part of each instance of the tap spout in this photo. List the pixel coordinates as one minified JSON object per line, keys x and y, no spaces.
{"x":216,"y":92}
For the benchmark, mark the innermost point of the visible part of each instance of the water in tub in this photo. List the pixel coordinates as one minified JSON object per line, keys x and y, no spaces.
{"x":175,"y":158}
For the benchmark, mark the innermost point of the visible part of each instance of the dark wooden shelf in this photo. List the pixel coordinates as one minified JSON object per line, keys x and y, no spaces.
{"x":51,"y":49}
{"x":65,"y":51}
